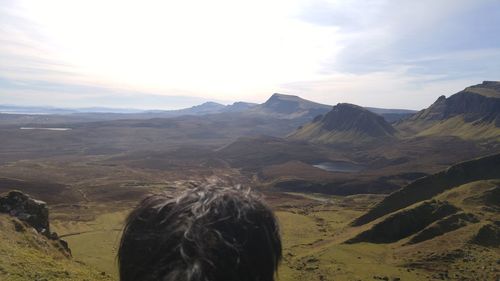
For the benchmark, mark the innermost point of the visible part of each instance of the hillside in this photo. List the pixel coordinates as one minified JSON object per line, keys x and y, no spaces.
{"x":456,"y":232}
{"x":345,"y":124}
{"x":430,"y":186}
{"x":204,"y":109}
{"x":29,"y":250}
{"x":472,"y":114}
{"x":26,"y":255}
{"x":446,"y":223}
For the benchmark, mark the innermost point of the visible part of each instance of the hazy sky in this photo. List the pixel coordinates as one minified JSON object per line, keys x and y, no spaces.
{"x":171,"y":54}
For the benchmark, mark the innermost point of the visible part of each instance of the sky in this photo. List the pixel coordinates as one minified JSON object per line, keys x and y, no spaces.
{"x":178,"y":53}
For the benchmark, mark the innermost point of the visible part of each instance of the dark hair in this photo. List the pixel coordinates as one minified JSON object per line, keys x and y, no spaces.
{"x":205,"y":234}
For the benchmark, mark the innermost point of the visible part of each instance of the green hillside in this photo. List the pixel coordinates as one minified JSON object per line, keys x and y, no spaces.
{"x":471,"y":114}
{"x":27,"y":255}
{"x":345,"y":124}
{"x":430,"y":186}
{"x":454,"y":233}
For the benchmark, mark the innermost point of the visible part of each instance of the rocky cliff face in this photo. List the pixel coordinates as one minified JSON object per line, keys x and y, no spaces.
{"x":472,"y":106}
{"x":34,"y":212}
{"x":471,"y":114}
{"x":476,"y":103}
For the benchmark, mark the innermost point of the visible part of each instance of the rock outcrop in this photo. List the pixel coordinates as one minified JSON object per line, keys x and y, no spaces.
{"x":476,"y":103}
{"x":34,"y":213}
{"x":472,"y":114}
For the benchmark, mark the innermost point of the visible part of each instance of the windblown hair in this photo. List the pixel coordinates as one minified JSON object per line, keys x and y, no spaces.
{"x":205,"y":234}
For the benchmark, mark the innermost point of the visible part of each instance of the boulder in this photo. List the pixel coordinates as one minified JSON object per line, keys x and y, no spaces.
{"x":34,"y":212}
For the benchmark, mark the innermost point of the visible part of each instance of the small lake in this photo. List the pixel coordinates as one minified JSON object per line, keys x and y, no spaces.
{"x":47,"y":129}
{"x":339,"y":166}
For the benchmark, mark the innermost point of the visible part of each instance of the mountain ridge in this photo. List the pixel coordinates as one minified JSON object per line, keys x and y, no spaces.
{"x":483,"y":168}
{"x":473,"y":113}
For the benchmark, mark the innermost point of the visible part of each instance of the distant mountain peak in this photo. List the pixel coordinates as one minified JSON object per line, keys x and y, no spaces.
{"x":283,"y":96}
{"x":277,"y":98}
{"x":239,"y":106}
{"x":209,"y":103}
{"x":291,"y":107}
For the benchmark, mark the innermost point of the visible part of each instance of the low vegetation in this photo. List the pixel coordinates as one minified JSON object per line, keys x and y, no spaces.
{"x":426,"y":188}
{"x":422,"y":219}
{"x":27,"y":255}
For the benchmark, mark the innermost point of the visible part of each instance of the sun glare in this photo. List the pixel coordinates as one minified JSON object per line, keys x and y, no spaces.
{"x":204,"y":47}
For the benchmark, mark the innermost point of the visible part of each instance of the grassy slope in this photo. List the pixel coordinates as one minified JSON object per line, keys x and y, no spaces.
{"x":428,"y":187}
{"x":29,"y":256}
{"x":457,"y":127}
{"x":103,"y":232}
{"x":314,"y":250}
{"x":484,"y":92}
{"x":452,"y":252}
{"x":312,"y":230}
{"x":466,"y":198}
{"x":314,"y":133}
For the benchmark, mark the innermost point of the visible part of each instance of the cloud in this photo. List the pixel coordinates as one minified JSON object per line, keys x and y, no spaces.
{"x":36,"y":93}
{"x":379,"y":35}
{"x":84,"y":50}
{"x":404,"y":53}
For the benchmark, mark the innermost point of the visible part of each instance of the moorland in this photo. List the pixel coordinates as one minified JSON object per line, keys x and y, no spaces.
{"x":360,"y":193}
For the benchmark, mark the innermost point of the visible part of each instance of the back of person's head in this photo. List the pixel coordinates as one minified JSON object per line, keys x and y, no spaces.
{"x":205,"y":234}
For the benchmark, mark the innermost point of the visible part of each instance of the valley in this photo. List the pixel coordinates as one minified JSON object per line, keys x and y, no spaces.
{"x":360,"y":193}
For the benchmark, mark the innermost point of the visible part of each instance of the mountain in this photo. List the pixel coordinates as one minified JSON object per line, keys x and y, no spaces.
{"x":124,"y":113}
{"x":204,"y":108}
{"x":473,"y":113}
{"x":347,"y":124}
{"x":210,"y":108}
{"x":277,"y":106}
{"x":238,"y":106}
{"x":484,"y":168}
{"x":290,"y":107}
